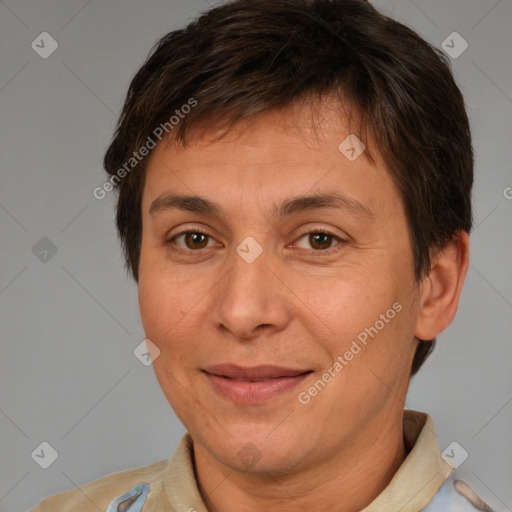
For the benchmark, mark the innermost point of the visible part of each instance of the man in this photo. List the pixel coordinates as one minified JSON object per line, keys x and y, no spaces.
{"x":294,"y":184}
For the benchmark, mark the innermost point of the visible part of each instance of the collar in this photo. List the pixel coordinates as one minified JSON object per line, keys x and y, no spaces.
{"x":412,"y":487}
{"x":422,"y":472}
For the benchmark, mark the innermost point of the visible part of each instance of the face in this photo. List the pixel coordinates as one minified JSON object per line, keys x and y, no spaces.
{"x":276,"y":279}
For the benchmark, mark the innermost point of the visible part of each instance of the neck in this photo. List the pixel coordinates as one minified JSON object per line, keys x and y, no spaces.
{"x":349,"y":480}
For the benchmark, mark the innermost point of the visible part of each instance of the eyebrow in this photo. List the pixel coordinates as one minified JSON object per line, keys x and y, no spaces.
{"x":290,"y":206}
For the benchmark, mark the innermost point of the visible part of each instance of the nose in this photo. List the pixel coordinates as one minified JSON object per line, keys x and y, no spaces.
{"x":250,"y":300}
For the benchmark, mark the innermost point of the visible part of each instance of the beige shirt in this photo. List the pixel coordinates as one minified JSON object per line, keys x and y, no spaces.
{"x":174,"y":486}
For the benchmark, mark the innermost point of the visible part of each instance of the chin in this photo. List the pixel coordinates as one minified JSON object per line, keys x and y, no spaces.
{"x":257,"y":449}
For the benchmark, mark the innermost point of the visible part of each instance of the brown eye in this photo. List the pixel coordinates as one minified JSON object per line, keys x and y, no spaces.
{"x":190,"y":241}
{"x":320,"y":240}
{"x":195,"y":240}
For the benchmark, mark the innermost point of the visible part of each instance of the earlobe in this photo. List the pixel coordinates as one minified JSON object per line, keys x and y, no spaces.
{"x":441,"y":289}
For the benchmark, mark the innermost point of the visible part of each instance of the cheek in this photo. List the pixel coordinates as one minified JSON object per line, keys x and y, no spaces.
{"x":161,"y":308}
{"x":168,"y":295}
{"x":345,"y":303}
{"x":173,"y":314}
{"x":162,"y":312}
{"x":367,"y":316}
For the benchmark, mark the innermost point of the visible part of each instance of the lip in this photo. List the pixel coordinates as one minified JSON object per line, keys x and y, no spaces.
{"x":254,"y":384}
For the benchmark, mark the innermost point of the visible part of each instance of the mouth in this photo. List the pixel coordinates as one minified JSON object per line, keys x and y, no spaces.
{"x":255,"y":384}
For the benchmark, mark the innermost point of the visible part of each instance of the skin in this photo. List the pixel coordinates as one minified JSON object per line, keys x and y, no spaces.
{"x":297,"y":305}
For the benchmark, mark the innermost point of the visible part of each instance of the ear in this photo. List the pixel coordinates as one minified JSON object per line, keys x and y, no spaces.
{"x":441,"y":288}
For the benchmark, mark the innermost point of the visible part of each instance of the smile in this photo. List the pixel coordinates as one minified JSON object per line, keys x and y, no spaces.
{"x":255,"y":384}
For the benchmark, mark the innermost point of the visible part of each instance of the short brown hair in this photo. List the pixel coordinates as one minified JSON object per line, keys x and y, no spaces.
{"x":247,"y":57}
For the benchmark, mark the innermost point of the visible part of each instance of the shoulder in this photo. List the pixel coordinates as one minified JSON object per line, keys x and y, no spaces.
{"x":99,"y":494}
{"x":456,"y":495}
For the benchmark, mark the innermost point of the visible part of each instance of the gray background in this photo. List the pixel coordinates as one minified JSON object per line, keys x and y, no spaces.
{"x":68,"y":375}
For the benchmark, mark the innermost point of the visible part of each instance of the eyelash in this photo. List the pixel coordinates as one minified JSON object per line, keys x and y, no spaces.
{"x":188,"y":252}
{"x":198,"y":252}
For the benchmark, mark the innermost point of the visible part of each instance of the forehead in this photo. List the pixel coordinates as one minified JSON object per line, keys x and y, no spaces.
{"x":284,"y":152}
